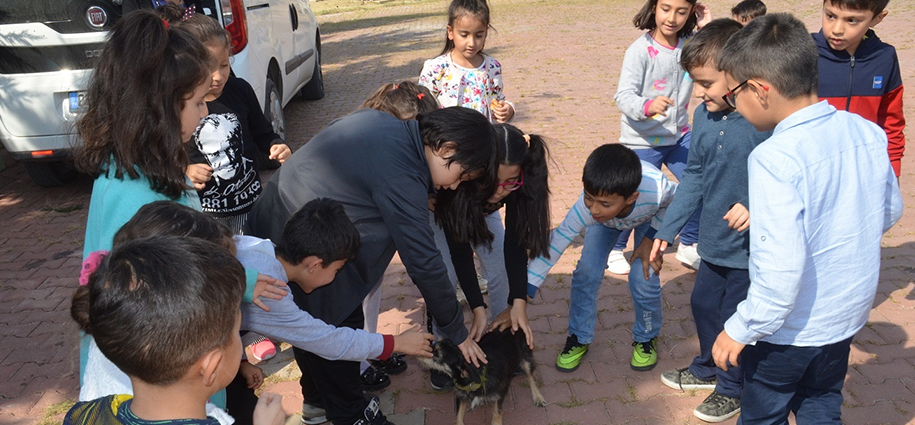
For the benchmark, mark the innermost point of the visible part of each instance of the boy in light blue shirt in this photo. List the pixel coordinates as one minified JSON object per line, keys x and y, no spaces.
{"x":822,"y":193}
{"x":621,"y":192}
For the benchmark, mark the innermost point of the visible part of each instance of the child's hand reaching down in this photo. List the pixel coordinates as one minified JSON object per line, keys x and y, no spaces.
{"x":479,"y":323}
{"x":199,"y":174}
{"x":269,"y":410}
{"x":414,"y":343}
{"x":738,"y":217}
{"x":254,"y":376}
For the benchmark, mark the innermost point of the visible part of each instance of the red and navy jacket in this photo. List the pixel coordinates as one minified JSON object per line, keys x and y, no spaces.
{"x":867,"y":83}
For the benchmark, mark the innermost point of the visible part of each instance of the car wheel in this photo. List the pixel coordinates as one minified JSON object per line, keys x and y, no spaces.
{"x":314,"y":90}
{"x":274,"y":109}
{"x":50,"y":174}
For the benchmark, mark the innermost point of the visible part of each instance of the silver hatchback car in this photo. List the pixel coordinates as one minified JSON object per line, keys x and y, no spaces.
{"x":47,"y":49}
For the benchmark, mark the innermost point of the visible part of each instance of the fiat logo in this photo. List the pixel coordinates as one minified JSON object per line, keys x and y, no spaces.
{"x":97,"y":16}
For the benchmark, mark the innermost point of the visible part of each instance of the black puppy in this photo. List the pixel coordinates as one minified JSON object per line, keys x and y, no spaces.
{"x":506,"y":355}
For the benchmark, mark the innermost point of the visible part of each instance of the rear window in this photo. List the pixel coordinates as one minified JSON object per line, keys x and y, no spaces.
{"x":63,"y":16}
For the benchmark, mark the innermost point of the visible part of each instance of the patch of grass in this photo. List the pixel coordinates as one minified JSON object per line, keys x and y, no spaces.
{"x":64,"y":210}
{"x":574,"y":402}
{"x":327,"y":7}
{"x":53,"y":414}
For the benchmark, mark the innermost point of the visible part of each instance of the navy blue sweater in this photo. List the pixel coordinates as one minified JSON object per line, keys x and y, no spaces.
{"x":716,"y":175}
{"x":372,"y":163}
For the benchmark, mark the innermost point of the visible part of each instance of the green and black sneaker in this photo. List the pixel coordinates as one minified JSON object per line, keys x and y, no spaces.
{"x":570,"y":357}
{"x":644,"y":356}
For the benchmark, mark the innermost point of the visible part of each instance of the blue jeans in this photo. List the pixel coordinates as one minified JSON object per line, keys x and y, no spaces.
{"x":588,"y":275}
{"x":779,"y":379}
{"x":675,"y":158}
{"x":715,"y":296}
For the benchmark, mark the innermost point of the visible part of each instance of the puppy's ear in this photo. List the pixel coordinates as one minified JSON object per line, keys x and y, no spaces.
{"x":471,"y":372}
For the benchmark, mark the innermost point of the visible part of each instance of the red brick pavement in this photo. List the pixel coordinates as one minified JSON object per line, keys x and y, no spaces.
{"x":561,"y":61}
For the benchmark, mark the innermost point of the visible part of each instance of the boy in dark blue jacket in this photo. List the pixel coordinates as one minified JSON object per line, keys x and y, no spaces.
{"x":715,"y":178}
{"x":859,"y":73}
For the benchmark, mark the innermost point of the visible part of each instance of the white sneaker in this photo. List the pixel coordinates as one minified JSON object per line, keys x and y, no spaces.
{"x":689,"y":256}
{"x":617,"y":263}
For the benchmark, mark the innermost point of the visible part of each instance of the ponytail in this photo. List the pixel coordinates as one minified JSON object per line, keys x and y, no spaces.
{"x":531,"y":203}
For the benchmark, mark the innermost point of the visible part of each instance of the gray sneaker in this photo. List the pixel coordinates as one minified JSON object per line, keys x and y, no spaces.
{"x":682,"y":379}
{"x":717,"y":408}
{"x":312,"y":415}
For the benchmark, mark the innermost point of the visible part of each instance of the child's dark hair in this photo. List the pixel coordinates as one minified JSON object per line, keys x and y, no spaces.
{"x":461,"y":212}
{"x":205,"y":29}
{"x":142,"y":78}
{"x":477,"y":9}
{"x":166,"y":218}
{"x":612,"y":169}
{"x":875,"y":6}
{"x":320,"y":228}
{"x":470,"y":133}
{"x":748,"y":10}
{"x":532,"y":203}
{"x":404,"y":100}
{"x":157,"y":304}
{"x":776,"y":48}
{"x":703,"y":47}
{"x":645,"y":18}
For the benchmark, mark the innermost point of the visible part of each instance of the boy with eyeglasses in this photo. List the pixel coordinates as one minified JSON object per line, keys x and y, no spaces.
{"x":822,"y":193}
{"x":715,"y":180}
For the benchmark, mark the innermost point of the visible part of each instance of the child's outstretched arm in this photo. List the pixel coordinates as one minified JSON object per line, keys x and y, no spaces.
{"x":576,"y":220}
{"x":414,"y":343}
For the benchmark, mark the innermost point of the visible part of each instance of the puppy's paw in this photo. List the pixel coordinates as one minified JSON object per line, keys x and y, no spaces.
{"x":539,"y":401}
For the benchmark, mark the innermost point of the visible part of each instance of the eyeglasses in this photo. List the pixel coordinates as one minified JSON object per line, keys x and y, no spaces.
{"x":513,"y":186}
{"x":730,"y":96}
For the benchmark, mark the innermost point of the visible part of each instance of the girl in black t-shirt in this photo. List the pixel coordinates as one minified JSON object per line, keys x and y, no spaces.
{"x":222,"y":161}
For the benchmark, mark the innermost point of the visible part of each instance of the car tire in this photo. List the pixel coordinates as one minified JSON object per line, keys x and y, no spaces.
{"x":273,"y":110}
{"x":50,"y":173}
{"x":314,"y":89}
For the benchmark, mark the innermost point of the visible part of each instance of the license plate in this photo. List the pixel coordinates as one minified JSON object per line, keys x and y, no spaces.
{"x":77,"y":99}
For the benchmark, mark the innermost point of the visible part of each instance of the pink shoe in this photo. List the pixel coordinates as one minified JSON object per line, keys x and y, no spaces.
{"x":263,"y":350}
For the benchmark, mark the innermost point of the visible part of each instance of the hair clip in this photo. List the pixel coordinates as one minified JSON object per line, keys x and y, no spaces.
{"x":91,"y":265}
{"x":164,"y":22}
{"x":190,"y":11}
{"x":527,"y":139}
{"x":395,"y":86}
{"x":421,"y":96}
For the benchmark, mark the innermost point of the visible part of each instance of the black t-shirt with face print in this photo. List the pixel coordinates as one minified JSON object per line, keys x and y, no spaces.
{"x":220,"y":142}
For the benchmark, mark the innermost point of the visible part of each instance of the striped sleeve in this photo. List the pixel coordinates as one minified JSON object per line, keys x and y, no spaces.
{"x":576,"y":220}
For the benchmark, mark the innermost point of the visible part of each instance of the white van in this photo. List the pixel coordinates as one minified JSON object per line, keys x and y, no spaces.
{"x":47,"y":48}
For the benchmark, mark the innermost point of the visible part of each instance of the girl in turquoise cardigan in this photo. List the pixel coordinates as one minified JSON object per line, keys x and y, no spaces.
{"x":145,"y":99}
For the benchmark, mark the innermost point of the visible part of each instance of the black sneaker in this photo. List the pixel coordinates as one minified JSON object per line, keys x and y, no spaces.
{"x":717,"y":408}
{"x":374,"y":379}
{"x":392,"y":366}
{"x":372,"y":414}
{"x":441,"y":381}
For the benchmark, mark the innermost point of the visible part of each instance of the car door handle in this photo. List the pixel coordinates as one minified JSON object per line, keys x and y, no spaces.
{"x":294,"y":16}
